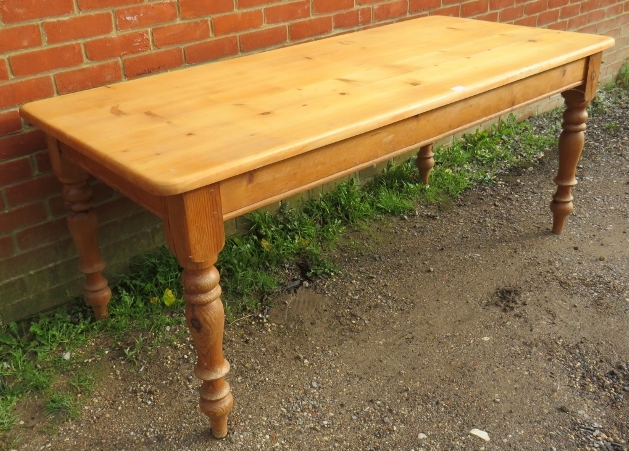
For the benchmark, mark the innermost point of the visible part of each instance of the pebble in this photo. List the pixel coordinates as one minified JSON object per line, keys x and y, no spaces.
{"x":421,"y":436}
{"x":480,"y":434}
{"x":66,"y":356}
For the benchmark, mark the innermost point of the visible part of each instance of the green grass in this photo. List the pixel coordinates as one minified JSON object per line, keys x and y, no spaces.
{"x":622,"y":79}
{"x":148,"y":301}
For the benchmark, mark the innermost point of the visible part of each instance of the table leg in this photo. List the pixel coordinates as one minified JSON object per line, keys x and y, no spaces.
{"x":195,"y":233}
{"x":570,"y":146}
{"x":83,"y":226}
{"x":425,"y":162}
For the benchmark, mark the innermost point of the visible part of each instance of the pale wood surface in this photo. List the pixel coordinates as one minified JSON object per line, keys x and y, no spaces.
{"x":182,"y":130}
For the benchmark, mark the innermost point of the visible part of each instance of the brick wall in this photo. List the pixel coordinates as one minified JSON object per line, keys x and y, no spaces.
{"x":52,"y":47}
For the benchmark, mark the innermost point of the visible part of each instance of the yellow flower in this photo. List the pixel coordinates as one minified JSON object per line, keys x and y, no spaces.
{"x":169,"y":297}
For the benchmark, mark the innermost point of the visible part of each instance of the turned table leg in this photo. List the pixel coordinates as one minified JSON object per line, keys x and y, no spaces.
{"x":83,"y":226}
{"x":194,"y":229}
{"x":570,"y":146}
{"x":425,"y":162}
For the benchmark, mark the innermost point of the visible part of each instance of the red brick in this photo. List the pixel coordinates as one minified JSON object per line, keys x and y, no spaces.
{"x":32,"y":189}
{"x":116,"y":46}
{"x":250,"y":3}
{"x":78,"y":27}
{"x":605,"y":26}
{"x":4,"y":71}
{"x":614,"y":10}
{"x":513,"y":13}
{"x":20,"y":37}
{"x":6,"y":247}
{"x":22,"y":217}
{"x":535,"y":7}
{"x":116,"y":209}
{"x":577,"y":22}
{"x":563,"y":25}
{"x":231,"y":23}
{"x":589,"y":5}
{"x":500,"y":4}
{"x":569,"y":11}
{"x":390,"y":10}
{"x":557,"y":3}
{"x":15,"y":171}
{"x":42,"y":162}
{"x":309,"y":28}
{"x":547,"y":17}
{"x":22,"y":144}
{"x":609,"y":2}
{"x":150,"y":63}
{"x":417,"y":6}
{"x":45,"y":233}
{"x":22,"y":91}
{"x":241,"y":4}
{"x":453,"y":11}
{"x":367,"y":2}
{"x":530,"y":21}
{"x":10,"y":122}
{"x":146,"y":15}
{"x":328,"y":6}
{"x":474,"y":8}
{"x":489,"y":17}
{"x":46,"y":59}
{"x":287,"y":12}
{"x":22,"y":10}
{"x":85,"y":5}
{"x":596,"y":16}
{"x":353,"y":18}
{"x":1,"y":204}
{"x":588,"y":29}
{"x":181,"y":33}
{"x":25,"y":262}
{"x":198,"y":8}
{"x":211,"y":50}
{"x":88,"y":77}
{"x":263,"y":38}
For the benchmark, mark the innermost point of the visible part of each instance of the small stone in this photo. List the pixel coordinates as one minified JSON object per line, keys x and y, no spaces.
{"x":480,"y":434}
{"x":354,"y":417}
{"x":167,"y":328}
{"x":565,"y":409}
{"x":314,"y":384}
{"x":602,"y":258}
{"x":421,"y":436}
{"x":66,"y":356}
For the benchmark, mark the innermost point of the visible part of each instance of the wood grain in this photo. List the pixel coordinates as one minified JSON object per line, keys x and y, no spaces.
{"x":178,"y":131}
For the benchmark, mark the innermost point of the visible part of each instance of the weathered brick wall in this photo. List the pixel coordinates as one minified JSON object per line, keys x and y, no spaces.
{"x":52,"y":47}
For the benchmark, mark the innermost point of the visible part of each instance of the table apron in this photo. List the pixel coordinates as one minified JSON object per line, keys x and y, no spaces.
{"x":254,"y":189}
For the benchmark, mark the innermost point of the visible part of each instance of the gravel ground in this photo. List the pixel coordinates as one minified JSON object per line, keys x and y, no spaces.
{"x":438,"y":323}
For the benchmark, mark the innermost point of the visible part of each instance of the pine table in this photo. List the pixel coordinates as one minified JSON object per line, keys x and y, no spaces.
{"x":207,"y":143}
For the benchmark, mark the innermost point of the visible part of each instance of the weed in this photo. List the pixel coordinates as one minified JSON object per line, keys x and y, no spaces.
{"x":61,"y":405}
{"x":610,"y":127}
{"x":622,"y":79}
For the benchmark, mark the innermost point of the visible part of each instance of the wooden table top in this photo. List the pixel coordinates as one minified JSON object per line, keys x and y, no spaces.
{"x":177,"y":131}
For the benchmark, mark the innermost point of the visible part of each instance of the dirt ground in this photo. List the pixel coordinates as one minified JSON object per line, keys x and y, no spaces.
{"x":439,"y":322}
